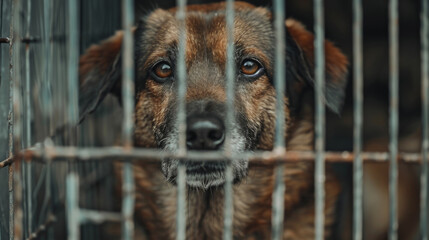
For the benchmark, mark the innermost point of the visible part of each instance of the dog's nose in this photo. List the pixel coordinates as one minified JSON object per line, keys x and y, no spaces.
{"x":204,"y":133}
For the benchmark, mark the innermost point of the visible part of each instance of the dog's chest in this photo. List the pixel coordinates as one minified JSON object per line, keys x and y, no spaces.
{"x":156,"y":205}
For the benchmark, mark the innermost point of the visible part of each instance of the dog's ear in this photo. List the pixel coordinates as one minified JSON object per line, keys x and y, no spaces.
{"x":99,"y":73}
{"x":300,"y":57}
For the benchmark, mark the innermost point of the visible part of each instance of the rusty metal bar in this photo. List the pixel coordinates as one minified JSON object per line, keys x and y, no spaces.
{"x":4,"y":40}
{"x":42,"y":228}
{"x":128,"y":125}
{"x":319,"y":178}
{"x":358,"y":120}
{"x":424,"y":36}
{"x":230,"y":119}
{"x":140,"y":154}
{"x":8,"y":161}
{"x":279,"y":143}
{"x":12,"y":167}
{"x":393,"y":117}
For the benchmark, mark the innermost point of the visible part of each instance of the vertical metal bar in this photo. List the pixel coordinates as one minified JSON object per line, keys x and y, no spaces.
{"x":128,"y":100}
{"x":73,"y":68}
{"x":279,"y":144}
{"x":46,"y":81}
{"x":319,"y":182}
{"x":358,"y":119}
{"x":181,"y":121}
{"x":393,"y":117}
{"x":18,"y":231}
{"x":181,"y":203}
{"x":128,"y":71}
{"x":72,"y":207}
{"x":230,"y":119}
{"x":128,"y":202}
{"x":424,"y":36}
{"x":181,"y":72}
{"x":10,"y":126}
{"x":228,"y":211}
{"x":28,"y":173}
{"x":16,"y":106}
{"x":27,"y":80}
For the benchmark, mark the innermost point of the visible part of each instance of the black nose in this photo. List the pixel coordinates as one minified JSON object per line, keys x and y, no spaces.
{"x":204,"y":133}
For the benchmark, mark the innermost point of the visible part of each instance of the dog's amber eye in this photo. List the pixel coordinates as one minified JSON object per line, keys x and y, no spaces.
{"x":250,"y":67}
{"x":162,"y":70}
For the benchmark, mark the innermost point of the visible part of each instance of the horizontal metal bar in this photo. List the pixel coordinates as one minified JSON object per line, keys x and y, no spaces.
{"x":31,"y":39}
{"x":42,"y":228}
{"x":263,"y":157}
{"x":6,"y":162}
{"x":95,"y":216}
{"x":4,"y":40}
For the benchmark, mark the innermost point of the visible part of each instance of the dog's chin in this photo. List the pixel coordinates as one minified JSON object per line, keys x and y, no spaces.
{"x":205,"y":181}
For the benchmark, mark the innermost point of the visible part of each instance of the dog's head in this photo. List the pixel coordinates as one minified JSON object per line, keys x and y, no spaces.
{"x":156,"y":50}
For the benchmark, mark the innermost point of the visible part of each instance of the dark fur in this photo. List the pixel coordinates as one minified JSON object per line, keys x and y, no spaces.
{"x":156,"y":38}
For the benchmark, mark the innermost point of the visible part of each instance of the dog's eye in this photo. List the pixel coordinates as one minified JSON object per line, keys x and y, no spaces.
{"x":250,"y":67}
{"x":162,"y":71}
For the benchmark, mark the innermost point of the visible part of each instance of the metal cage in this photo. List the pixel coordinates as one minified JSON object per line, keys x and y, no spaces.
{"x":28,"y":165}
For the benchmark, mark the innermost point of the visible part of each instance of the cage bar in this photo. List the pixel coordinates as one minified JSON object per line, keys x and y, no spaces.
{"x":10,"y":126}
{"x":72,"y":206}
{"x":319,"y":182}
{"x":230,"y":120}
{"x":73,"y":69}
{"x":17,"y":118}
{"x":181,"y":122}
{"x":279,"y":144}
{"x":393,"y":117}
{"x":128,"y":124}
{"x":358,"y":120}
{"x":258,"y":157}
{"x":424,"y":36}
{"x":45,"y":83}
{"x":27,"y":142}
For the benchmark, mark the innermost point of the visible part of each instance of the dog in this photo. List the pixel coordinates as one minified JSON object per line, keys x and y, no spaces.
{"x":156,"y":48}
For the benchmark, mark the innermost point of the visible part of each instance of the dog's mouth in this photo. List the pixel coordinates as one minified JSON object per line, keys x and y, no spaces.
{"x":205,"y":174}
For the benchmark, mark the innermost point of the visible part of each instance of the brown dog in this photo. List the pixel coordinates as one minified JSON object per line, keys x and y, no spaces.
{"x":156,"y":43}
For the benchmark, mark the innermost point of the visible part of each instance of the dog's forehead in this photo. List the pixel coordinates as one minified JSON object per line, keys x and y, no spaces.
{"x":206,"y":31}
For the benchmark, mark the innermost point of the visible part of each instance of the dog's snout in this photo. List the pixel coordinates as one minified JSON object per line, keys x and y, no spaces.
{"x":204,"y":133}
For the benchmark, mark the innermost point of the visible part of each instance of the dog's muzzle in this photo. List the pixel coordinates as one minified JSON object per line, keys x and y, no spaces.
{"x":206,"y":132}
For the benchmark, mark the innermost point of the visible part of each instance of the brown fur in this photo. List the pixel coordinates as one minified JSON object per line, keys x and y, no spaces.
{"x":155,"y":198}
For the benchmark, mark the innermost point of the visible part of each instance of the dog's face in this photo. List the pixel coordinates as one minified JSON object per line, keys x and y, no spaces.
{"x":156,"y":51}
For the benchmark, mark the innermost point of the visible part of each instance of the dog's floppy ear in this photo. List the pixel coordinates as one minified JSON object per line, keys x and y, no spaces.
{"x":300,"y":54}
{"x":99,"y":73}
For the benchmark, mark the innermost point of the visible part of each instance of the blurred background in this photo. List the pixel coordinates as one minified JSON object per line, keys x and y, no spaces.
{"x":99,"y":19}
